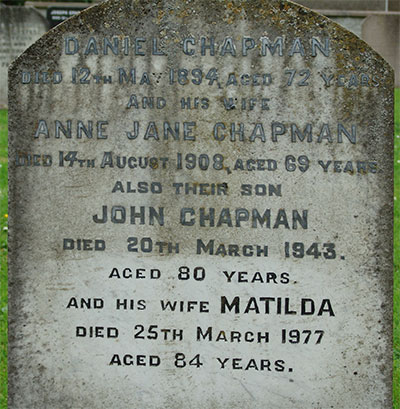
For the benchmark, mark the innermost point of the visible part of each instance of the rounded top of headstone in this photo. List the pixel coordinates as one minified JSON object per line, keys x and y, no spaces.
{"x":173,"y":20}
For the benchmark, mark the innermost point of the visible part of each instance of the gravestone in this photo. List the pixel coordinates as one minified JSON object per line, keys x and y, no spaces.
{"x":56,"y":15}
{"x":200,"y":211}
{"x":382,"y":32}
{"x":19,"y":28}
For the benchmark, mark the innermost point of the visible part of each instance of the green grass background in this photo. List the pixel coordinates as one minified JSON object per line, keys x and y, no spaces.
{"x":3,"y":258}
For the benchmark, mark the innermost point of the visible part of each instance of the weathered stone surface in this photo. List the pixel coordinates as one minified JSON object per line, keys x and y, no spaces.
{"x":19,"y":28}
{"x":252,"y":185}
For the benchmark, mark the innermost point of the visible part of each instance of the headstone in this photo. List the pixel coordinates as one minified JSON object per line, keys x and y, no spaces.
{"x":353,"y":24}
{"x":382,"y":32}
{"x":200,"y":211}
{"x":19,"y":28}
{"x":56,"y":15}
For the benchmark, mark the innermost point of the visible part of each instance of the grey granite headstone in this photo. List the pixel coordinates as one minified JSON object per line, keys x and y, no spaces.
{"x":200,"y":211}
{"x":19,"y":28}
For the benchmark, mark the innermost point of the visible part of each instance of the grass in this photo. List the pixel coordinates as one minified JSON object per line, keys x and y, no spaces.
{"x":3,"y":258}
